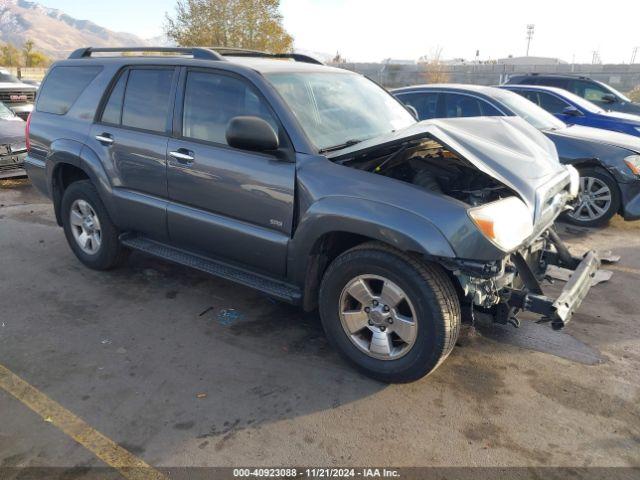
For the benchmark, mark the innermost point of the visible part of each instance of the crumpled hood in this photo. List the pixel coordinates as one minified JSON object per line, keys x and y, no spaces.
{"x":507,"y":148}
{"x":11,"y":131}
{"x":600,"y":135}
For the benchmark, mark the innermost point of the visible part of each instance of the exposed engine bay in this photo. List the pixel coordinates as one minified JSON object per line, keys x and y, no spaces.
{"x":428,"y":164}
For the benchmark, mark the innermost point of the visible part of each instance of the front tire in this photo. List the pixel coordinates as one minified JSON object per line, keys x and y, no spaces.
{"x":90,"y":232}
{"x":598,"y":200}
{"x":392,"y":316}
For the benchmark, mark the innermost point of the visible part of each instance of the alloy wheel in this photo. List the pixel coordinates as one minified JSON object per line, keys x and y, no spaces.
{"x":594,"y":200}
{"x":378,"y":317}
{"x":85,"y":226}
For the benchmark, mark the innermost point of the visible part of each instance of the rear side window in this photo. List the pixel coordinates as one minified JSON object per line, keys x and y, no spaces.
{"x":466,"y":106}
{"x":551,"y":103}
{"x":146,"y":99}
{"x":531,"y":96}
{"x":426,"y":104}
{"x":63,"y":86}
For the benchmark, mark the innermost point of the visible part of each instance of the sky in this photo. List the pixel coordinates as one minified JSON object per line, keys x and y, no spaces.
{"x":371,"y":30}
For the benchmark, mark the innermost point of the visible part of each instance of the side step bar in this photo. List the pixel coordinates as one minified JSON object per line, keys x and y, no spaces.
{"x":275,"y":288}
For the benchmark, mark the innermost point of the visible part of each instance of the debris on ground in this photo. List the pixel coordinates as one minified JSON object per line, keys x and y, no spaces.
{"x":201,"y":395}
{"x":228,"y":316}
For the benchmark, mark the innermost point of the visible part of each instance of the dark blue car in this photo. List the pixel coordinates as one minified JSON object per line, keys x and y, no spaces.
{"x":608,"y":162}
{"x":575,"y":110}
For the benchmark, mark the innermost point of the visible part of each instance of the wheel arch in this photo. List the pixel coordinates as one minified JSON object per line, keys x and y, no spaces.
{"x":335,"y":225}
{"x":70,"y":161}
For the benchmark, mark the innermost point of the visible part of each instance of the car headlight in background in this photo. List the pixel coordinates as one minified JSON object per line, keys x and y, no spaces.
{"x":574,"y":175}
{"x":633,"y":162}
{"x":507,"y":222}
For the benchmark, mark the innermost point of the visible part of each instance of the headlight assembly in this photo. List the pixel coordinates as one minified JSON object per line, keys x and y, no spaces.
{"x":507,"y":222}
{"x":633,"y":162}
{"x":574,"y":175}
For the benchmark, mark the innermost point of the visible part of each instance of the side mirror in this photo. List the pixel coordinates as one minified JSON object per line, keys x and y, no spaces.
{"x":412,"y":111}
{"x":251,"y":133}
{"x":571,"y":111}
{"x":609,"y":98}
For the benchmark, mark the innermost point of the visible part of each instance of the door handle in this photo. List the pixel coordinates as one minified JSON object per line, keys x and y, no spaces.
{"x":105,"y":138}
{"x":183,"y":155}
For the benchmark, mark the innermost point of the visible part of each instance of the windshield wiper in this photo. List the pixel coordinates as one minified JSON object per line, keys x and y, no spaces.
{"x":346,"y":144}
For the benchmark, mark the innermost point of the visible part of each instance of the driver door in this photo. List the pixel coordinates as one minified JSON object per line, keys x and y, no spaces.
{"x":226,"y":203}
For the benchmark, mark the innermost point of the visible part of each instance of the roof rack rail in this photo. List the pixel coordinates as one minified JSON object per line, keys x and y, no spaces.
{"x":200,"y":53}
{"x":243,"y":52}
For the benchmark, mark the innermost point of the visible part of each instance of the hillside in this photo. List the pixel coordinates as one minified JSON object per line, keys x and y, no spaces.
{"x":54,"y":32}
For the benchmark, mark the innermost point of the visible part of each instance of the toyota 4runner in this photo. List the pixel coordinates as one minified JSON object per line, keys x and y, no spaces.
{"x":311,"y":184}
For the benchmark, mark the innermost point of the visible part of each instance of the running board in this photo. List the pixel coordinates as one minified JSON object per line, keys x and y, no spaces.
{"x":269,"y":286}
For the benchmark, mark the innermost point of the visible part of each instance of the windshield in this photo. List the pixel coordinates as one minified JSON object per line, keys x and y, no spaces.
{"x":532,"y":113}
{"x":5,"y":113}
{"x":337,"y":109}
{"x":6,"y":77}
{"x":582,"y":103}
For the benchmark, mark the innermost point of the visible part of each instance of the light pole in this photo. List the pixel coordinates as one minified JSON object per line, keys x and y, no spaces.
{"x":530,"y":28}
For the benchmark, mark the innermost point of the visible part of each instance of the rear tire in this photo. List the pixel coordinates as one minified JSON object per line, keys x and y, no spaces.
{"x":598,"y":201}
{"x":389,"y":351}
{"x":90,"y":232}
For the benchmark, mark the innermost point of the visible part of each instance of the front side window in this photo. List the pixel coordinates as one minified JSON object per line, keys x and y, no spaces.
{"x":63,"y":86}
{"x":210,"y":102}
{"x":339,"y":108}
{"x":529,"y":111}
{"x":147,"y":99}
{"x":588,"y":90}
{"x":426,"y":104}
{"x":457,"y":105}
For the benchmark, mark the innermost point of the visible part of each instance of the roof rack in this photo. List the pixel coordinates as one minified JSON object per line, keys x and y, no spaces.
{"x":243,"y":52}
{"x":200,"y":53}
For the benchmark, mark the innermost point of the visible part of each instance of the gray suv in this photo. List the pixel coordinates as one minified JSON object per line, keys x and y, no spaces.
{"x":311,"y":184}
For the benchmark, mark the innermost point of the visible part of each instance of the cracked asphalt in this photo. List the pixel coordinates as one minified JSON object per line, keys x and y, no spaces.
{"x":185,"y":370}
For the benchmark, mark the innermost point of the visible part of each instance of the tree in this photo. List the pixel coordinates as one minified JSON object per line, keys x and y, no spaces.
{"x":27,"y":51}
{"x":250,"y":24}
{"x":435,"y":72}
{"x":9,"y":55}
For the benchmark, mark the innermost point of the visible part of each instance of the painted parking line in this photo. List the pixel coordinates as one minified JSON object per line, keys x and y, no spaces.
{"x":130,"y":466}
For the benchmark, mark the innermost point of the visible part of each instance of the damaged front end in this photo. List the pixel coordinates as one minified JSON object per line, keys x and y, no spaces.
{"x":513,"y":285}
{"x":512,"y":186}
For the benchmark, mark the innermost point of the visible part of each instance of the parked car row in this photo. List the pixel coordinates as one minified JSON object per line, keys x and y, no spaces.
{"x":16,"y":103}
{"x":608,"y":161}
{"x":318,"y":187}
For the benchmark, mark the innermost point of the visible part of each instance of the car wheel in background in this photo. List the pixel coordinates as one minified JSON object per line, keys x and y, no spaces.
{"x":394,"y":317}
{"x":598,"y":200}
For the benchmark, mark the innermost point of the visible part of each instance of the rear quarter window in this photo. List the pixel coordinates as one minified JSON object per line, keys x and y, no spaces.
{"x":63,"y":86}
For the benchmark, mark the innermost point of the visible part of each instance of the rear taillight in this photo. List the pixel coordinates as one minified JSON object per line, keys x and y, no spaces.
{"x":26,"y":133}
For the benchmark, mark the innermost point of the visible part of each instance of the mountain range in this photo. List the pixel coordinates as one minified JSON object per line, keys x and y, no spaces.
{"x":57,"y":34}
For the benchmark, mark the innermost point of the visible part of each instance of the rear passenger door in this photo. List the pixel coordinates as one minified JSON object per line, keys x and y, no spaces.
{"x":232,"y":204}
{"x":131,"y":137}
